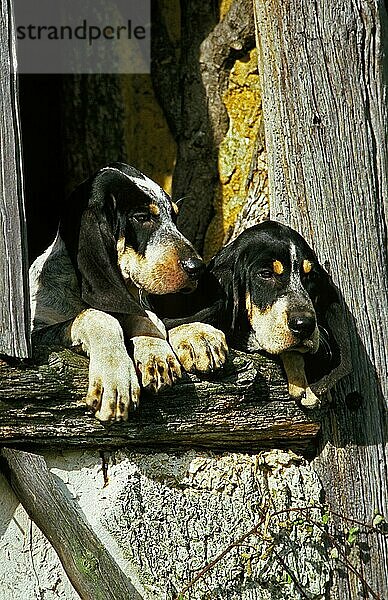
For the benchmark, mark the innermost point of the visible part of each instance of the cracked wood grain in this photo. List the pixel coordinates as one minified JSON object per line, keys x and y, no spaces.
{"x":247,"y":407}
{"x":323,"y":69}
{"x":14,"y":313}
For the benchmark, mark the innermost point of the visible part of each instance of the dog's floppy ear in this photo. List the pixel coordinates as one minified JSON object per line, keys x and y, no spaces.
{"x":217,"y":299}
{"x":229,"y":267}
{"x":332,"y":360}
{"x":90,"y":227}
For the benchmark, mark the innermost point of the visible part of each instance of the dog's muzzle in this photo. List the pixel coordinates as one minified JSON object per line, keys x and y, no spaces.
{"x":194,"y":267}
{"x":302,"y":325}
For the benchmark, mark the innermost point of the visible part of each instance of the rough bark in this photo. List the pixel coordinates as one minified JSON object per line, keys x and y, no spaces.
{"x":324,"y":97}
{"x":246,"y":408}
{"x":195,"y":174}
{"x":165,"y":69}
{"x":191,"y":96}
{"x":256,"y":208}
{"x":14,"y":312}
{"x":90,"y":568}
{"x":93,"y":125}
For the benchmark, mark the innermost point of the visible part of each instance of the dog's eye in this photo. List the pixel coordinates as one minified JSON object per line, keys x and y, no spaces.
{"x":142,"y":217}
{"x":265,"y":273}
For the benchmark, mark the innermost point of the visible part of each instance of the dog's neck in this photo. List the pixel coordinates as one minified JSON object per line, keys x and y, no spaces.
{"x":244,"y":340}
{"x":139,"y":295}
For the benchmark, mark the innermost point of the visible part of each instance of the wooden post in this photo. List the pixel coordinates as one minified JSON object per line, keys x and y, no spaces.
{"x":326,"y":118}
{"x":89,"y":566}
{"x":14,"y":304}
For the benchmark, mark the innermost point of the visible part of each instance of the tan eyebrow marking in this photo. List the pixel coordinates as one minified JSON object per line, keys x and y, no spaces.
{"x":307,"y":266}
{"x":175,"y":207}
{"x":154,"y":210}
{"x":278,"y":267}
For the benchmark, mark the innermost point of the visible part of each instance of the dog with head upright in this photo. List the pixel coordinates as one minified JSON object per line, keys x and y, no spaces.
{"x":267,"y":291}
{"x":118,"y":242}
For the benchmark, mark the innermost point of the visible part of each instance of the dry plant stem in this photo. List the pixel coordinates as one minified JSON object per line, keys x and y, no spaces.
{"x":220,"y":556}
{"x":335,"y":514}
{"x":267,"y":518}
{"x":345,"y":559}
{"x":290,"y":573}
{"x":333,"y":541}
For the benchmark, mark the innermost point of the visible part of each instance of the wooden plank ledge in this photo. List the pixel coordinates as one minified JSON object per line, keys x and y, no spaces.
{"x":244,"y":407}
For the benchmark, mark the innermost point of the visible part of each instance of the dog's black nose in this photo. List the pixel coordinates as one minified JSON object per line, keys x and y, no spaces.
{"x":193,"y":267}
{"x":302,"y":325}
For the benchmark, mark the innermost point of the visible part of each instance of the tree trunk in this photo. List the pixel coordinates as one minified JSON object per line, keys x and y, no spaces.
{"x":14,"y":312}
{"x":191,"y":93}
{"x":195,"y":175}
{"x":93,"y":125}
{"x":324,"y":99}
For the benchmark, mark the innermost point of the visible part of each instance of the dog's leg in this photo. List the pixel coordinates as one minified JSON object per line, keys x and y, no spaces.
{"x":154,"y":358}
{"x":199,"y":346}
{"x":113,"y":383}
{"x":298,"y":386}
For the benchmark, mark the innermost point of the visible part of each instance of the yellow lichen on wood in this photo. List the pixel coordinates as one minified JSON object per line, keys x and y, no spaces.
{"x":149,"y":144}
{"x":243,"y":103}
{"x":224,"y":7}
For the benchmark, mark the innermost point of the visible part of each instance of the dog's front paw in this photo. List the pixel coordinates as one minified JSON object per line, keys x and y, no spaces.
{"x":199,"y":347}
{"x":304,"y":395}
{"x":298,"y":387}
{"x":113,"y":385}
{"x":309,"y":399}
{"x":156,"y":362}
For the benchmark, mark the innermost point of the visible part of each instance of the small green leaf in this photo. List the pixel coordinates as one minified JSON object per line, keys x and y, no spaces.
{"x":353,"y":535}
{"x":287,"y":577}
{"x":299,"y":522}
{"x":334,"y":553}
{"x":378,"y":519}
{"x":325,"y":518}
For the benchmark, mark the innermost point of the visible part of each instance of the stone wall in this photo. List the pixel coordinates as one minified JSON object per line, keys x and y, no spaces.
{"x":164,"y":516}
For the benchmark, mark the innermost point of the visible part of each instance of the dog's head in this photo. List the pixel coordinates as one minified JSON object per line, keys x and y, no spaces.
{"x":274,"y":285}
{"x":119,"y":228}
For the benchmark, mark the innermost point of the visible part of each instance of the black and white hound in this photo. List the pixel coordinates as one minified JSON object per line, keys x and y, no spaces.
{"x":267,"y":291}
{"x":117,"y":242}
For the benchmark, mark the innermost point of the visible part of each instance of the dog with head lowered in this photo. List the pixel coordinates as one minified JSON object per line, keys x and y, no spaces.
{"x":267,"y":291}
{"x":118,"y":242}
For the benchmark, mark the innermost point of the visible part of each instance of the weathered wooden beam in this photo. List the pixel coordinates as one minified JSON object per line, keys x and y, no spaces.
{"x":14,"y":311}
{"x":245,"y":407}
{"x":323,"y":68}
{"x":89,"y":566}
